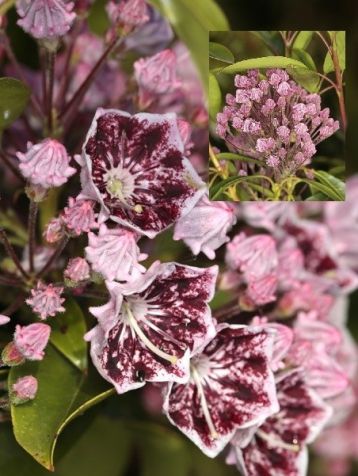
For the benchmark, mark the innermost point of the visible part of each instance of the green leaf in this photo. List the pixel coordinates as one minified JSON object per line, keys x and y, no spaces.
{"x":328,"y":65}
{"x":322,"y":188}
{"x":98,"y":20}
{"x":340,"y":41}
{"x":265,"y":62}
{"x":88,"y":448}
{"x":317,"y":197}
{"x":218,"y":189}
{"x":307,"y":78}
{"x":6,"y":5}
{"x":339,"y":44}
{"x":241,"y":158}
{"x":192,"y":21}
{"x":14,"y":98}
{"x":162,"y":451}
{"x":336,"y":185}
{"x":63,"y":393}
{"x":220,"y":53}
{"x":272,"y":40}
{"x":304,"y":57}
{"x":303,"y":39}
{"x":67,"y":334}
{"x":214,"y":96}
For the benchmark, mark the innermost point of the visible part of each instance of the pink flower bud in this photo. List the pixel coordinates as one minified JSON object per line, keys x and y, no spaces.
{"x":23,"y":390}
{"x":157,"y":74}
{"x":11,"y":356}
{"x":4,"y":319}
{"x":54,"y":230}
{"x":31,"y":340}
{"x":45,"y":19}
{"x":130,"y":13}
{"x":79,"y":216}
{"x":46,"y":164}
{"x":77,"y":270}
{"x":46,"y":300}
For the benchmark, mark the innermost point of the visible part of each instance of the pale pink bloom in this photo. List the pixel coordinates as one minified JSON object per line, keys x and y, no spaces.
{"x":45,"y":19}
{"x":262,"y":290}
{"x":255,"y":256}
{"x":77,"y":270}
{"x":23,"y":390}
{"x":156,"y":75}
{"x":267,"y":215}
{"x":206,"y":226}
{"x":114,"y":253}
{"x":283,"y":337}
{"x":185,"y":132}
{"x":4,"y":320}
{"x":54,"y":230}
{"x":46,"y":164}
{"x":46,"y":300}
{"x":31,"y":340}
{"x":79,"y":216}
{"x":128,"y":12}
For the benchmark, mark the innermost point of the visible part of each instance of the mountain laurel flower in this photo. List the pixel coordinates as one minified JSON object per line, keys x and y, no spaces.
{"x":46,"y":300}
{"x":151,"y":325}
{"x":114,"y":253}
{"x":45,"y":19}
{"x":54,"y":230}
{"x":278,"y":446}
{"x":231,"y":386}
{"x":79,"y":216}
{"x":77,"y":271}
{"x":254,"y":256}
{"x":46,"y":164}
{"x":156,"y":75}
{"x":31,"y":340}
{"x":262,"y":290}
{"x":134,"y":166}
{"x":277,"y":121}
{"x":128,"y":13}
{"x":206,"y":226}
{"x":23,"y":390}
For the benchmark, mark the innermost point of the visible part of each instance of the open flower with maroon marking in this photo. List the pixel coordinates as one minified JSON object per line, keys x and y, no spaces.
{"x":134,"y":166}
{"x":278,"y":446}
{"x":151,"y":325}
{"x":231,"y":386}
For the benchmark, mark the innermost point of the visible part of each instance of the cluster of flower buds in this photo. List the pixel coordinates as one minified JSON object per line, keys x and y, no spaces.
{"x":274,"y":120}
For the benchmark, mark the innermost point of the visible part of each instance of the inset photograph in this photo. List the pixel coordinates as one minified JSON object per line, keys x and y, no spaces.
{"x":277,"y":115}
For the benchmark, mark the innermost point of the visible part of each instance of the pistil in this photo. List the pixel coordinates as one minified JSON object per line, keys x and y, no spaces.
{"x":204,"y":403}
{"x":135,"y":326}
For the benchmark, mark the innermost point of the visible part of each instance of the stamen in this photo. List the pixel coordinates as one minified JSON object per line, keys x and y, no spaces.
{"x":204,"y":404}
{"x":134,"y":324}
{"x":277,"y":442}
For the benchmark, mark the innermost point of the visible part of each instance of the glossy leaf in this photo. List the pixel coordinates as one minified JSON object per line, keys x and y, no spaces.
{"x":89,"y":448}
{"x":220,"y":53}
{"x":306,"y":78}
{"x":328,"y":65}
{"x":316,"y":186}
{"x":303,"y":39}
{"x":241,"y":158}
{"x":272,"y":40}
{"x":265,"y":62}
{"x":192,"y":21}
{"x":162,"y":451}
{"x":67,"y":334}
{"x":305,"y":57}
{"x":14,"y":98}
{"x":339,"y":44}
{"x":214,"y":96}
{"x":6,"y":5}
{"x":63,"y":393}
{"x":98,"y":20}
{"x":336,"y":185}
{"x":219,"y":188}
